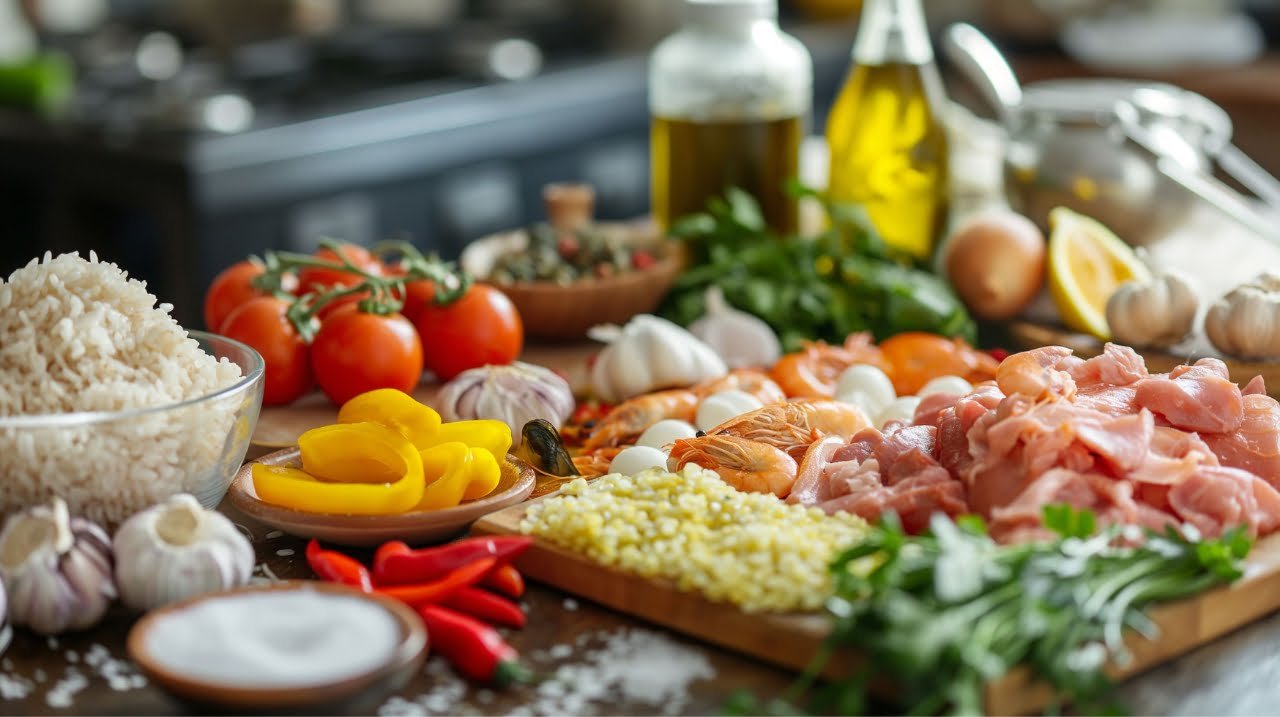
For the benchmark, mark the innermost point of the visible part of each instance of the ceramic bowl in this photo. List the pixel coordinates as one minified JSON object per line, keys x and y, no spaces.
{"x":566,"y":311}
{"x":414,"y":527}
{"x":360,"y":693}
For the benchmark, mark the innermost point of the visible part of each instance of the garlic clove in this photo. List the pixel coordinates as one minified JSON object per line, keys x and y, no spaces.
{"x":56,"y":569}
{"x":178,"y":549}
{"x":869,"y":381}
{"x":869,"y":404}
{"x":634,"y":459}
{"x":741,"y":339}
{"x":515,"y":394}
{"x":723,"y":406}
{"x":946,"y":384}
{"x":665,"y":432}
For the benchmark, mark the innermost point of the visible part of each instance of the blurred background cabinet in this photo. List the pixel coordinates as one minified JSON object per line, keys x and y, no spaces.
{"x":195,"y":132}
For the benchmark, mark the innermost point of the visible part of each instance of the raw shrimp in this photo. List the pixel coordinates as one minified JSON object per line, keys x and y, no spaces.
{"x":812,"y":371}
{"x":594,"y":464}
{"x":792,"y":426}
{"x":627,"y":420}
{"x":749,"y":466}
{"x":749,"y":380}
{"x":1035,"y":374}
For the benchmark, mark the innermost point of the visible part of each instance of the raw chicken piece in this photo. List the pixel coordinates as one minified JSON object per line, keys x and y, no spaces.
{"x":1108,"y":399}
{"x":1257,"y":385}
{"x":1173,"y":457}
{"x":907,"y":451}
{"x":1110,"y":500}
{"x":1035,"y":374}
{"x":929,"y":410}
{"x":895,"y":473}
{"x":1255,"y":446}
{"x":1013,"y":445}
{"x":1215,"y":498}
{"x":1115,"y":366}
{"x":1194,"y":398}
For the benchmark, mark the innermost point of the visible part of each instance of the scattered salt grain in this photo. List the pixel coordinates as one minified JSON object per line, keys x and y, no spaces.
{"x":14,"y":687}
{"x":72,"y":656}
{"x":284,"y":552}
{"x":62,"y":694}
{"x":40,"y":676}
{"x":570,"y":604}
{"x":444,"y":698}
{"x":52,"y":642}
{"x":274,"y":534}
{"x":559,"y":652}
{"x":484,"y":697}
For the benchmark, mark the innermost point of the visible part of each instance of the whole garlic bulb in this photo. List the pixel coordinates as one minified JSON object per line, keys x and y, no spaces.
{"x":743,"y":340}
{"x":1160,"y":312}
{"x":647,"y":354}
{"x":178,"y":549}
{"x":1246,"y":322}
{"x":56,"y":569}
{"x":514,"y":394}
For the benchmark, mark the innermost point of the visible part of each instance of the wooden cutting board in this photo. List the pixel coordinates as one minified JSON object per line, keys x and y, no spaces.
{"x":279,"y":426}
{"x":790,"y":641}
{"x":1029,"y":335}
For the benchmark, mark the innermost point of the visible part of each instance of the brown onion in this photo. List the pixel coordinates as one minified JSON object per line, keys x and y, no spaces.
{"x":995,"y":261}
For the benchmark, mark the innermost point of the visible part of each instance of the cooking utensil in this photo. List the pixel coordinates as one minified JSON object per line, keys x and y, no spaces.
{"x":1125,"y":152}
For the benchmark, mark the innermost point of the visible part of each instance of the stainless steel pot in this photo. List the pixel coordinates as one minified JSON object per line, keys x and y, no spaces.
{"x":1137,"y":156}
{"x":1065,"y":149}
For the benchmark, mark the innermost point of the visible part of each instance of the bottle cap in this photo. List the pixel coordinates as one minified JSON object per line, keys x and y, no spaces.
{"x":728,"y":13}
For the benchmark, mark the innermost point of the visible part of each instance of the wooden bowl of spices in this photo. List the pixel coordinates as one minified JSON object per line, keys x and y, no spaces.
{"x":289,"y":646}
{"x":571,"y":273}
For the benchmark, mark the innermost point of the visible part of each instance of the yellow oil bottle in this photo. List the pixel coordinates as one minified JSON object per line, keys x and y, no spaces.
{"x":887,"y":141}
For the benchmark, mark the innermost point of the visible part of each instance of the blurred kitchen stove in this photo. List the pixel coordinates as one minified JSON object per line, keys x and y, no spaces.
{"x":176,"y":163}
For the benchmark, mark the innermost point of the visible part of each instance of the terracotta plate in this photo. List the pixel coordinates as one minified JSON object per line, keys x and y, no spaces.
{"x":360,"y":693}
{"x":416,"y":527}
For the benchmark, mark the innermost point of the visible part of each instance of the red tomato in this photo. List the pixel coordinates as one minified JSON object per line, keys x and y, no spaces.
{"x":262,"y":324}
{"x":483,"y":327}
{"x":417,"y":296}
{"x":318,"y":279}
{"x":232,"y":288}
{"x":356,"y":352}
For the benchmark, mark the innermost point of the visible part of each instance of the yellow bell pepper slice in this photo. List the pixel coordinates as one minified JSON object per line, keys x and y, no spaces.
{"x":485,"y":473}
{"x":447,"y":468}
{"x":396,"y":410}
{"x":456,"y":472}
{"x":355,"y":453}
{"x":297,"y":489}
{"x":493,"y":436}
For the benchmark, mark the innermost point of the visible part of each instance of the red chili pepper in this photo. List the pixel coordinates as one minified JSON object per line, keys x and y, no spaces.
{"x":998,"y":354}
{"x":493,"y":609}
{"x":506,"y":580}
{"x":337,"y":568}
{"x":475,"y":649}
{"x":437,"y":590}
{"x":392,"y":567}
{"x":389,"y":548}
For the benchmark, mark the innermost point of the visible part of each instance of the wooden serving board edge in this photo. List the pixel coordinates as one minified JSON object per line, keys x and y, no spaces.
{"x":791,"y":640}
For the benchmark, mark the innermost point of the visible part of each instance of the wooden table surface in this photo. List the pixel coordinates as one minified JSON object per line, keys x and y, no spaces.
{"x":1237,"y":675}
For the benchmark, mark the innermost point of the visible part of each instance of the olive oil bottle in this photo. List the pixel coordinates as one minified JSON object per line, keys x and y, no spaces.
{"x":729,"y":100}
{"x":887,"y":141}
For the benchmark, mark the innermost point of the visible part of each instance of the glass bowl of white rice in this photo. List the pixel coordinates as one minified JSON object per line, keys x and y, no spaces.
{"x":108,"y":403}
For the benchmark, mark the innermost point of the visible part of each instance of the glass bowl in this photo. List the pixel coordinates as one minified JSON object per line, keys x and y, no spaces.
{"x":109,"y":465}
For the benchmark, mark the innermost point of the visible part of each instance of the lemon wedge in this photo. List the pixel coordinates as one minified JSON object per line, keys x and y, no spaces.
{"x":1087,"y":263}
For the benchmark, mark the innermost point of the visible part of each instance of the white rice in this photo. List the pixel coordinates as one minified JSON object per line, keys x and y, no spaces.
{"x":79,"y":335}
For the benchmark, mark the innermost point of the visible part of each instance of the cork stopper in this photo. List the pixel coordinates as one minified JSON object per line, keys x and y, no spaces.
{"x":569,"y":206}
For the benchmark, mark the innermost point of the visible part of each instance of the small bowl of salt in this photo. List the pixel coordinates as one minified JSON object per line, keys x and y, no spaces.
{"x":290,"y":646}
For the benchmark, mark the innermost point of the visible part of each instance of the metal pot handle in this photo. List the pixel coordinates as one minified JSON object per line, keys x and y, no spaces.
{"x":1204,"y":185}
